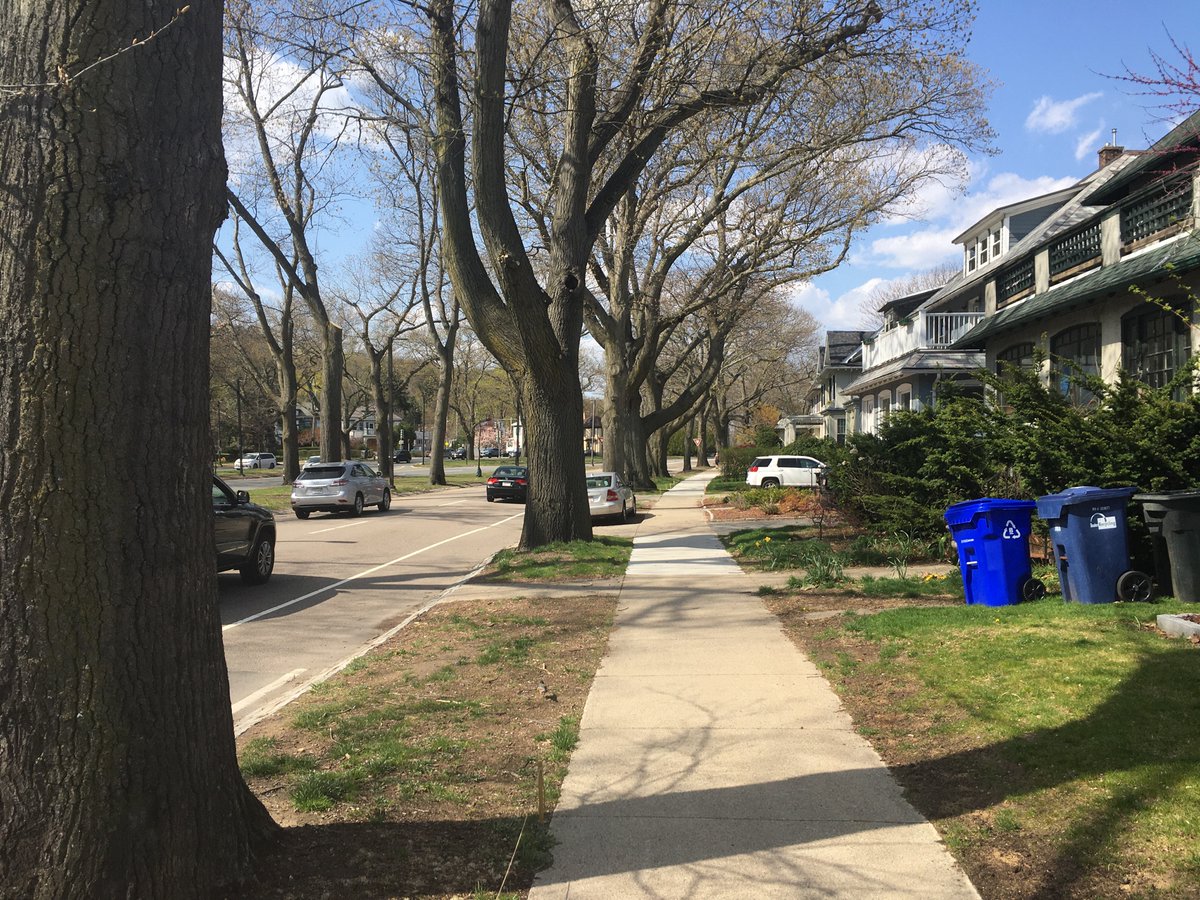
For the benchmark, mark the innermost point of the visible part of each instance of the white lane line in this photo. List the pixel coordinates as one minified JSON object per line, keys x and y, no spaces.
{"x":336,"y":527}
{"x":363,"y":574}
{"x":452,"y":503}
{"x":262,"y":692}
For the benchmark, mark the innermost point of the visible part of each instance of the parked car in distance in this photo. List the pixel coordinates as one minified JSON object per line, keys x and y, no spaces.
{"x":489,"y":453}
{"x":244,"y":534}
{"x":786,"y":471}
{"x":457,"y":453}
{"x":313,"y":461}
{"x":508,"y":483}
{"x":339,"y":487}
{"x":256,"y":461}
{"x":610,"y":497}
{"x":402,"y":455}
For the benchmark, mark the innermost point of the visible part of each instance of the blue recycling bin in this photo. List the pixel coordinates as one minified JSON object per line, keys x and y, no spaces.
{"x":1091,"y":546}
{"x":992,"y":537}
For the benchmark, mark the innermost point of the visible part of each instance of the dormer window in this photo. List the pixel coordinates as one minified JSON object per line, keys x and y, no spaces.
{"x":982,"y":249}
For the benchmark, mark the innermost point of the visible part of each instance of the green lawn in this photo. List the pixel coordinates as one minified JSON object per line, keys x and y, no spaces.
{"x":602,"y":557}
{"x":1066,"y":735}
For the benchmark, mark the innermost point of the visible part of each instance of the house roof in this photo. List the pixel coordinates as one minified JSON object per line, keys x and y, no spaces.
{"x":1075,"y":211}
{"x":919,"y":362}
{"x":1182,"y":139}
{"x":1182,"y":254}
{"x":1029,"y":203}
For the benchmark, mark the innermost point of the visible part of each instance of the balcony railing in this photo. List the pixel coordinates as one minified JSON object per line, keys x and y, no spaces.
{"x":1075,"y":249}
{"x":1157,"y":211}
{"x":927,"y":331}
{"x":943,"y":329}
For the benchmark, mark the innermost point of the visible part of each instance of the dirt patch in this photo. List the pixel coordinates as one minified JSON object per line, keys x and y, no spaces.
{"x":438,"y":738}
{"x":793,"y":504}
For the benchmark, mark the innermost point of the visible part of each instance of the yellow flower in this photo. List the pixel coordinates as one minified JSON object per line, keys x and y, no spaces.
{"x":767,"y":539}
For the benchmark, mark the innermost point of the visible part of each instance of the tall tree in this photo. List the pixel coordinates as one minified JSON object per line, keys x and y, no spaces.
{"x":118,"y":773}
{"x":284,"y":82}
{"x":613,"y":82}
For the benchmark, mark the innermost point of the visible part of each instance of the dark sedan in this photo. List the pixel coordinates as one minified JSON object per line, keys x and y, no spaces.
{"x":402,"y":456}
{"x":508,"y":483}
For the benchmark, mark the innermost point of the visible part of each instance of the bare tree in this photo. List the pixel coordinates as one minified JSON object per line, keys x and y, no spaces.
{"x":118,"y":770}
{"x":614,"y":82}
{"x":927,"y":280}
{"x":277,"y":327}
{"x":286,"y":83}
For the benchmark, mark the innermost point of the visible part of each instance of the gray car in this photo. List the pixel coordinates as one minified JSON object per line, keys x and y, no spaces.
{"x":339,"y":487}
{"x":610,"y":497}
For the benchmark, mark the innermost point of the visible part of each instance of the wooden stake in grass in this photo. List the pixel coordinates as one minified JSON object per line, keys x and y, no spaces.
{"x":541,"y":791}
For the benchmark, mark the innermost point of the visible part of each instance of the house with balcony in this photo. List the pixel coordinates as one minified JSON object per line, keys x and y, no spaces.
{"x":1092,"y":279}
{"x":907,"y":360}
{"x":1111,"y":283}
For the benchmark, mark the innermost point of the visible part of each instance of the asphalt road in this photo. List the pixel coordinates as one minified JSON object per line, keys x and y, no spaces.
{"x":340,"y":583}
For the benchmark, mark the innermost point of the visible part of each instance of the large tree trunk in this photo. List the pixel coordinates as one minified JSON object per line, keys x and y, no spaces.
{"x":285,"y":366}
{"x":554,"y":419}
{"x":624,"y":429}
{"x":118,"y":772}
{"x":332,"y":364}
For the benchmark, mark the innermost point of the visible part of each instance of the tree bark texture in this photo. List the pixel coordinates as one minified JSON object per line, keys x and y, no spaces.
{"x":118,"y":772}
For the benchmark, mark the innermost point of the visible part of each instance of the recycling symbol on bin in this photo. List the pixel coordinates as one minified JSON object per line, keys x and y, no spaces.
{"x":1011,"y":532}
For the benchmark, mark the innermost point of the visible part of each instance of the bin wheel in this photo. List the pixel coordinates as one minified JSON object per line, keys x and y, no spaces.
{"x":1134,"y":587}
{"x":1032,"y":589}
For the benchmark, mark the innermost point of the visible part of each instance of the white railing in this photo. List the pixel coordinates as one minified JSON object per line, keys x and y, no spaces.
{"x":943,"y":329}
{"x":925,"y":331}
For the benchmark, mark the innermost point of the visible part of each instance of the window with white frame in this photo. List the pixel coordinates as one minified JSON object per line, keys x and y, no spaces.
{"x":904,"y":400}
{"x":868,"y":413}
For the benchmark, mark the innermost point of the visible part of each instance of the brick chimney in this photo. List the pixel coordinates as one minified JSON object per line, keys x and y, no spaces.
{"x":1111,"y":151}
{"x":1108,"y":153}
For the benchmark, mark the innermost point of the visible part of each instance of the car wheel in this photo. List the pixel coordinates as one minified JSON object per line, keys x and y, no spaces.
{"x":770,"y":482}
{"x":261,"y":562}
{"x":358,"y":506}
{"x":386,"y":503}
{"x":272,"y":465}
{"x":302,"y":513}
{"x":491,"y":499}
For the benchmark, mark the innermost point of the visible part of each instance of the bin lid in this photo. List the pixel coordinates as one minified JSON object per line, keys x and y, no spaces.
{"x":1052,"y":505}
{"x":963,"y":513}
{"x":1185,"y":497}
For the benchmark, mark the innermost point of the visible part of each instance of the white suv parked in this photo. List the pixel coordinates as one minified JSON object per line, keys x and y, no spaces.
{"x":788,"y":471}
{"x":256,"y":461}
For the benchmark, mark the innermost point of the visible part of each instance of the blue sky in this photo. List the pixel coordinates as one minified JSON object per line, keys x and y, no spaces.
{"x":1052,"y":108}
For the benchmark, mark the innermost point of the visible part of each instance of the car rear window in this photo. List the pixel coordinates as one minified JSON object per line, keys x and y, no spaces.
{"x":320,"y":473}
{"x":510,"y":472}
{"x":599,"y":481}
{"x":763,"y":461}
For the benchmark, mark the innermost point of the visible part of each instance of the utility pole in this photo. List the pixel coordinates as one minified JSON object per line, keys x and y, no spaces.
{"x":241,"y":452}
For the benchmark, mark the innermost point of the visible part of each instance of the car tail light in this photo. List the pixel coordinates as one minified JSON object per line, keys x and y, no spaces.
{"x":612,"y":496}
{"x":492,"y":480}
{"x":754,"y":468}
{"x":341,"y":482}
{"x":521,"y":481}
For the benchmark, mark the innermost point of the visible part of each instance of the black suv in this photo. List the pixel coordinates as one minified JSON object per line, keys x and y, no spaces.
{"x":244,"y":532}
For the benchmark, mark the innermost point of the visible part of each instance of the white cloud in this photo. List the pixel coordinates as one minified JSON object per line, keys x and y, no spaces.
{"x":929,"y":243}
{"x":1088,"y":144}
{"x":916,"y":251}
{"x":844,"y":312}
{"x":1050,"y":116}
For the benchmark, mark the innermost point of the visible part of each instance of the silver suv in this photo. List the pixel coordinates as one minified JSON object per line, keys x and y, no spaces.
{"x":339,"y":487}
{"x":788,"y":471}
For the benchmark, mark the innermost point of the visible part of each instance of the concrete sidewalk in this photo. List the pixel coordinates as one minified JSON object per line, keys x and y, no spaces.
{"x":715,"y":761}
